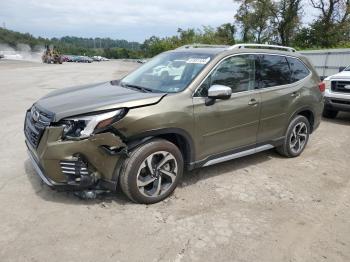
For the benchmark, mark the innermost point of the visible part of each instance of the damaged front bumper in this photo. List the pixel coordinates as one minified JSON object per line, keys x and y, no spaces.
{"x":77,"y":165}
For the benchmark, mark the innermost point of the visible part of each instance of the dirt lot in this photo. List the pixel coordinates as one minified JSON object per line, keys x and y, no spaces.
{"x":258,"y":208}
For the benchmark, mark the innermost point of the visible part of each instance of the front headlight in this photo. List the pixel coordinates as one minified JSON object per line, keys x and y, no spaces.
{"x":85,"y":126}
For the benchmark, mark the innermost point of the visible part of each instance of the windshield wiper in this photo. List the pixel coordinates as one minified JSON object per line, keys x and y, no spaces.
{"x":141,"y":88}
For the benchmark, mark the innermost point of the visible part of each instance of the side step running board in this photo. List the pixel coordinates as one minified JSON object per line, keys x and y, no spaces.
{"x":238,"y":155}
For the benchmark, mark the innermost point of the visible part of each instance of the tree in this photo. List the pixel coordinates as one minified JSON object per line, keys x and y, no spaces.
{"x":225,"y":34}
{"x":287,"y":20}
{"x":255,"y":18}
{"x":243,"y":18}
{"x":332,"y":25}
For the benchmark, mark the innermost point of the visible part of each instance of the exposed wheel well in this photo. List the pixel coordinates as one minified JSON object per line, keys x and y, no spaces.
{"x":310,"y":116}
{"x":181,"y":143}
{"x":178,"y":137}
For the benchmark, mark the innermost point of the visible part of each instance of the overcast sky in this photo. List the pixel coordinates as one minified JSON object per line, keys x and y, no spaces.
{"x":133,"y":20}
{"x":122,"y":19}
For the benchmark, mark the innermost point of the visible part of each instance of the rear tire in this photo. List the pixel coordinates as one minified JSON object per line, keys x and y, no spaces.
{"x":296,"y":137}
{"x":151,"y":172}
{"x":327,"y":113}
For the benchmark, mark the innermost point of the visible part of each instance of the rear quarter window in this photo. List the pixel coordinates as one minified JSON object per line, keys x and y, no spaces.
{"x":299,"y":70}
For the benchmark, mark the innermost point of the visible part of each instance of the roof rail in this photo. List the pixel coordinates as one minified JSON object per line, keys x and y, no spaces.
{"x":202,"y":46}
{"x":278,"y":47}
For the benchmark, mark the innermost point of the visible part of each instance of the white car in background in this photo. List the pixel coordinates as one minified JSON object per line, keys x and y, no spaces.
{"x":173,"y":69}
{"x":99,"y":58}
{"x":337,"y":94}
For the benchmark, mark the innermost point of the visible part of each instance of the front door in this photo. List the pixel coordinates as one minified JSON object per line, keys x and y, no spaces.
{"x":233,"y":123}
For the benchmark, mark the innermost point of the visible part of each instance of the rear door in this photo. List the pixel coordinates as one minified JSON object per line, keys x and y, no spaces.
{"x":277,"y":96}
{"x":233,"y":123}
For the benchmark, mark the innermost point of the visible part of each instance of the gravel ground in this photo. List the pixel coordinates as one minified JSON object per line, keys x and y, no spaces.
{"x":258,"y":208}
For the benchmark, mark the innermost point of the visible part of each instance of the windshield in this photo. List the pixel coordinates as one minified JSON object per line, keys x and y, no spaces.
{"x":347,"y":69}
{"x":169,"y":72}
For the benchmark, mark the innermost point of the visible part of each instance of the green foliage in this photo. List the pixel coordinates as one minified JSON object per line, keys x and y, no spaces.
{"x":13,"y":38}
{"x":279,"y":22}
{"x":255,"y":19}
{"x":222,"y":35}
{"x":75,"y":45}
{"x":110,"y":48}
{"x":286,"y":20}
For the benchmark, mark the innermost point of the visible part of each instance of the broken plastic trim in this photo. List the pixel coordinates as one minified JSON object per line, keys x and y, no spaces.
{"x":113,"y":151}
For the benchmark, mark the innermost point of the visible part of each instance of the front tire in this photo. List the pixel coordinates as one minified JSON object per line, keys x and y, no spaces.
{"x":296,"y":138}
{"x":152,"y":172}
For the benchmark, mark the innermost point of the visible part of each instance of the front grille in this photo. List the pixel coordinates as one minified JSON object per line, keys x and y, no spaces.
{"x":35,"y":123}
{"x":343,"y":102}
{"x":341,"y":86}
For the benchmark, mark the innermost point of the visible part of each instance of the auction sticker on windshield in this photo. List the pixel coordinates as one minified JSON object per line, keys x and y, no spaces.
{"x":202,"y":61}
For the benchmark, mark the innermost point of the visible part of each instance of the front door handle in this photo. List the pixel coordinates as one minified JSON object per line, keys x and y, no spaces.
{"x":295,"y":94}
{"x":253,"y":102}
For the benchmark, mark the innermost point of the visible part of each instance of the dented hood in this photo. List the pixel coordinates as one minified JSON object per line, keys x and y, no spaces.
{"x":86,"y":99}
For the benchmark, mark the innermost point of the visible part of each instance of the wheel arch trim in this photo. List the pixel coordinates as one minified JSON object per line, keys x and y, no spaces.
{"x":145,"y":136}
{"x":139,"y":139}
{"x":300,"y":110}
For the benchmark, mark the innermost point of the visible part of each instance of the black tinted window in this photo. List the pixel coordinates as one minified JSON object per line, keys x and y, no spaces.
{"x":237,"y":72}
{"x":274,"y":71}
{"x":299,"y":70}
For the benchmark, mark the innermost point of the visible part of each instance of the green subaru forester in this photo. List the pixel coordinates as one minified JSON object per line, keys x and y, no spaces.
{"x":187,"y":108}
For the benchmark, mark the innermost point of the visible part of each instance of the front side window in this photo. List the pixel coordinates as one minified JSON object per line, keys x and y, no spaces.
{"x":299,"y":70}
{"x":169,"y":72}
{"x":236,"y":72}
{"x":274,"y":71}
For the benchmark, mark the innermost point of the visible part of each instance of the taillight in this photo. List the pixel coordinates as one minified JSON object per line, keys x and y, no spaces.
{"x":322,"y":87}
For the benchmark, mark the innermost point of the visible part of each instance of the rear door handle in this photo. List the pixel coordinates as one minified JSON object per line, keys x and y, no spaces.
{"x":253,"y":102}
{"x":295,"y":94}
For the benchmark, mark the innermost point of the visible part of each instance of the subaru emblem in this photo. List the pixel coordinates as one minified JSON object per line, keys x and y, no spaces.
{"x":35,"y":115}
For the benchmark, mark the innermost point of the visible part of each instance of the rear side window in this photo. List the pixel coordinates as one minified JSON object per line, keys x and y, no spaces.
{"x":299,"y":70}
{"x":274,"y":71}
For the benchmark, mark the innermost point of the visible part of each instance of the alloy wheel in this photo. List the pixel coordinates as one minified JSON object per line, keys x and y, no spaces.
{"x":298,"y":138}
{"x":157,"y":174}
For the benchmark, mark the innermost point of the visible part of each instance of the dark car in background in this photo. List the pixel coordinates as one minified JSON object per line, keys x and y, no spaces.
{"x":84,"y":59}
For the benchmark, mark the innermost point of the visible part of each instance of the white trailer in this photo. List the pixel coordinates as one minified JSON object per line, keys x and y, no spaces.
{"x":328,"y":62}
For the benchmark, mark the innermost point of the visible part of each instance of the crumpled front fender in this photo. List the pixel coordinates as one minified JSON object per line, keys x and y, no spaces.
{"x":53,"y":149}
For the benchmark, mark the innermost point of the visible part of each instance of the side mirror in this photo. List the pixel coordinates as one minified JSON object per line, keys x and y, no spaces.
{"x":218,"y":92}
{"x":341,"y":68}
